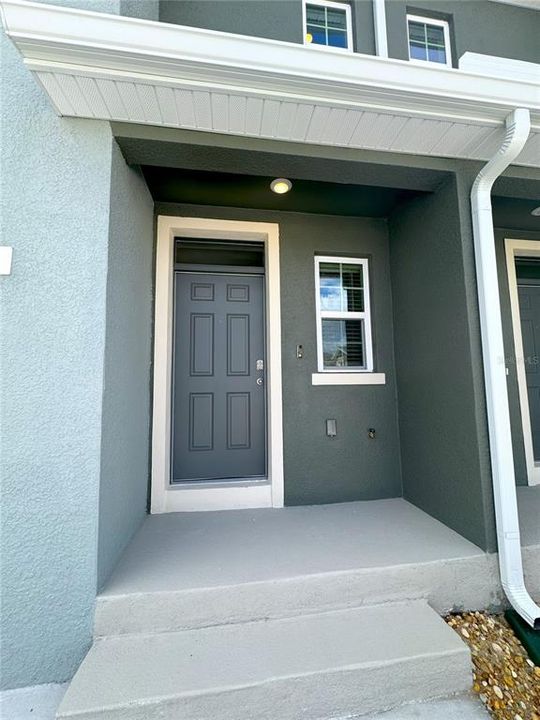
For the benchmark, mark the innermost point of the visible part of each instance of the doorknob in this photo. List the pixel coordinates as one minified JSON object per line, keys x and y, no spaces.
{"x":259,"y":381}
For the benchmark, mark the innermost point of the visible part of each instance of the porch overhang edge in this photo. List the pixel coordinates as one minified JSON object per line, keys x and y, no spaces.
{"x":86,"y":61}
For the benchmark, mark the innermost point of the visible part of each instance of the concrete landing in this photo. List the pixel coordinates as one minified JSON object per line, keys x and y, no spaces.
{"x":180,"y":551}
{"x":184,"y":571}
{"x":329,"y":665}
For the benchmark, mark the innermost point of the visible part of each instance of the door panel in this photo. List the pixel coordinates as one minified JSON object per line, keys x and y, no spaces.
{"x":529,"y":305}
{"x":219,"y":408}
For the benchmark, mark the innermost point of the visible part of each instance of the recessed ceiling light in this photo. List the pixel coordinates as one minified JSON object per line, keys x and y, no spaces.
{"x":280,"y":186}
{"x":536,"y":211}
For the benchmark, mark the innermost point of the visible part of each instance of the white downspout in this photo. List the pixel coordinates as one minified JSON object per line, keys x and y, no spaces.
{"x":518,"y":126}
{"x":379,"y":21}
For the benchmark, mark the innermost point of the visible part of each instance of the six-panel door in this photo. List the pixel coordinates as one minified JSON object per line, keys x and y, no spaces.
{"x":218,"y":425}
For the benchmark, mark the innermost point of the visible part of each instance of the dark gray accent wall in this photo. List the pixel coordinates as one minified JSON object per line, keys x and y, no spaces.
{"x":274,"y":19}
{"x":126,"y":384}
{"x":476,"y":26}
{"x":520,"y":464}
{"x":444,"y":456}
{"x":319,"y":469}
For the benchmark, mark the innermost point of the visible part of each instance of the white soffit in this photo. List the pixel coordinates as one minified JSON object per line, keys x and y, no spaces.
{"x":109,"y":67}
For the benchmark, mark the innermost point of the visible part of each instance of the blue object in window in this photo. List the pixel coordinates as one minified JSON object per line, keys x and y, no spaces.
{"x":327,"y":26}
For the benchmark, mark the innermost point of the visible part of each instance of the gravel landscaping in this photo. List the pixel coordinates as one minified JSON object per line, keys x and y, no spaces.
{"x":506,"y":680}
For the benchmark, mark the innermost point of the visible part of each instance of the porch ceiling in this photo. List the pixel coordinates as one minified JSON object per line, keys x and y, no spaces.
{"x":109,"y":67}
{"x":172,"y":185}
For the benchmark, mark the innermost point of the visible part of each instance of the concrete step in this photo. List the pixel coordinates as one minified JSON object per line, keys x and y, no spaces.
{"x":327,"y":665}
{"x":469,"y":582}
{"x":189,"y":570}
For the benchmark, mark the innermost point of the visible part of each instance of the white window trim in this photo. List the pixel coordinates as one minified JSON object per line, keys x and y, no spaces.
{"x":348,"y":19}
{"x":446,"y":29}
{"x":365,"y":316}
{"x":514,"y":249}
{"x":226,"y":495}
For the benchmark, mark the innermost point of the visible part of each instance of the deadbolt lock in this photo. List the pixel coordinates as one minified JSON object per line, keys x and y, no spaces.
{"x":259,"y":381}
{"x":260,"y":364}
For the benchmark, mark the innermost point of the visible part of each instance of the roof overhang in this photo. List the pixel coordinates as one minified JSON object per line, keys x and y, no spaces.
{"x":109,"y":67}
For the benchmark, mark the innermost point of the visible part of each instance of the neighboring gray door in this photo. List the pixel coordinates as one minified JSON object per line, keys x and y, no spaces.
{"x":219,"y":428}
{"x":529,"y":305}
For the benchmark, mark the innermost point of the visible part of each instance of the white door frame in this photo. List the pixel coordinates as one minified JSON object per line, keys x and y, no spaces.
{"x":214,"y":495}
{"x":522,"y":248}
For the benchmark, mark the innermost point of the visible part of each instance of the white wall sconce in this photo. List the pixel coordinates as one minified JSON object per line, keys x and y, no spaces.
{"x":6,"y":255}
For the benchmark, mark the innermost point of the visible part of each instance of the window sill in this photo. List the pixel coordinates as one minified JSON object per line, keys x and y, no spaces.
{"x":345,"y":378}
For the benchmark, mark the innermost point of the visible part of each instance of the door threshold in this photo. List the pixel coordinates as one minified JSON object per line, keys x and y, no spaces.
{"x":244,"y":494}
{"x":219,"y":483}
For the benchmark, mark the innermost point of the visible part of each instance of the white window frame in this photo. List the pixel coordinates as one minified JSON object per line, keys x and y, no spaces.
{"x":365,"y":315}
{"x":514,"y":249}
{"x":439,"y":23}
{"x":348,"y":20}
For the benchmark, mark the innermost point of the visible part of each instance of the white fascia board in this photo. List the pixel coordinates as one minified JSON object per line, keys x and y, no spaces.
{"x":54,"y":38}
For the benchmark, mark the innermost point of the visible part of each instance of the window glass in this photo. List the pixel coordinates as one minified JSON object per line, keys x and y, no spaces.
{"x":343,"y":343}
{"x":344,"y":332}
{"x":428,"y":41}
{"x":327,"y":25}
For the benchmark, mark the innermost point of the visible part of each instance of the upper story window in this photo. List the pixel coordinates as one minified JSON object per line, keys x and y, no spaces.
{"x":429,"y":40}
{"x":328,"y":24}
{"x":343,"y":315}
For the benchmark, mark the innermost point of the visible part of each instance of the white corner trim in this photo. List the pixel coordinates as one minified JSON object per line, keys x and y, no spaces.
{"x":514,"y":249}
{"x":381,"y":33}
{"x":214,"y":496}
{"x":348,"y":378}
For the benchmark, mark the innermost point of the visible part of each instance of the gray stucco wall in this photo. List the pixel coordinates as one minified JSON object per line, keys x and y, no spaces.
{"x":276,"y":19}
{"x":520,"y":464}
{"x":53,"y":333}
{"x":476,"y":25}
{"x":126,"y":388}
{"x":443,"y":453}
{"x":351,"y":466}
{"x":56,"y":337}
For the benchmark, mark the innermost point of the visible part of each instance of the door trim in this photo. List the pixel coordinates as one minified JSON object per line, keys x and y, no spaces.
{"x":215,"y":495}
{"x":514,"y":249}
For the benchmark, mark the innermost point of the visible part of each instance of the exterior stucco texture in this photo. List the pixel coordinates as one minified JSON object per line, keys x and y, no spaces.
{"x":125,"y":437}
{"x":64,"y":348}
{"x":53,"y":329}
{"x":319,"y":469}
{"x":476,"y":25}
{"x":443,"y":448}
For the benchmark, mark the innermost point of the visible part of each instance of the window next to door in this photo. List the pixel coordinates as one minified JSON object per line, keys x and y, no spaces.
{"x":344,"y":333}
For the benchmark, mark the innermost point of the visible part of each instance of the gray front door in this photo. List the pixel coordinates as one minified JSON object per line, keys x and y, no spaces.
{"x":529,"y":306}
{"x":219,"y":428}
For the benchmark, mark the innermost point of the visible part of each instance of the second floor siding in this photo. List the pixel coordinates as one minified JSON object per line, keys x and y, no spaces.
{"x":477,"y":26}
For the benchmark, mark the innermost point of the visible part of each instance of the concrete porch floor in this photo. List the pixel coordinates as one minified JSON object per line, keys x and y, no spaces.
{"x":196,"y":550}
{"x":189,"y":570}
